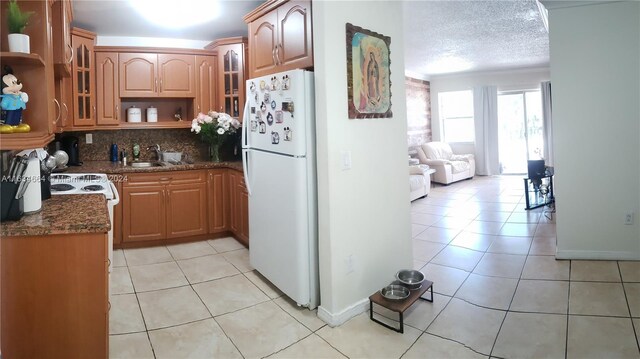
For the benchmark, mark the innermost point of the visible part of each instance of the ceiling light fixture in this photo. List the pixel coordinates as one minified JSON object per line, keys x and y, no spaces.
{"x":177,"y":14}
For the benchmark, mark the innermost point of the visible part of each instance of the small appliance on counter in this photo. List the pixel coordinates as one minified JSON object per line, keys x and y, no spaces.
{"x":134,"y":114}
{"x":152,"y":114}
{"x":70,"y":146}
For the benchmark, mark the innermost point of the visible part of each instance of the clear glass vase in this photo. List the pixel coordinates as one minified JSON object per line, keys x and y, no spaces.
{"x":214,"y":153}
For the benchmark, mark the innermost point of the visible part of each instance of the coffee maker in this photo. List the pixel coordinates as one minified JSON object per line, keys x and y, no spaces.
{"x":70,"y":146}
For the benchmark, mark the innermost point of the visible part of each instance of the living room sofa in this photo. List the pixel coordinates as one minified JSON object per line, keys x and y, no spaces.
{"x":449,"y":167}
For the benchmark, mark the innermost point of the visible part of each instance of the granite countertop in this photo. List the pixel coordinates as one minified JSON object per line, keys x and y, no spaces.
{"x":73,"y":213}
{"x":117,"y":167}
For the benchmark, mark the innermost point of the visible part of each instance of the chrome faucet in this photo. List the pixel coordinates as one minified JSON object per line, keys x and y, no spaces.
{"x":156,"y":149}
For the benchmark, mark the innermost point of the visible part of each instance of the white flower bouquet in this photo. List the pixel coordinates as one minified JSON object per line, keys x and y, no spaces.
{"x":214,"y":128}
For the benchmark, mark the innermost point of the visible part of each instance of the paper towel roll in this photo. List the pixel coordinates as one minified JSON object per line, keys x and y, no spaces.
{"x":32,"y":198}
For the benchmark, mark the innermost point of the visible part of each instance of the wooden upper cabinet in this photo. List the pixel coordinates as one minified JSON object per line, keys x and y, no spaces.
{"x":206,"y":84}
{"x":61,"y":34}
{"x":138,"y":74}
{"x":230,"y":74}
{"x":295,"y":49}
{"x":262,"y":45}
{"x":84,"y":105}
{"x":280,"y":37}
{"x":107,"y":95}
{"x":176,"y":74}
{"x":157,"y":75}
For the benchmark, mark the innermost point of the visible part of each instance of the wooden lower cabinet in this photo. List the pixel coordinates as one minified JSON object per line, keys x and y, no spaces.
{"x":186,"y":210}
{"x":54,"y":296}
{"x":164,"y":205}
{"x":239,"y":207}
{"x":143,"y":213}
{"x":218,"y":201}
{"x":180,"y":204}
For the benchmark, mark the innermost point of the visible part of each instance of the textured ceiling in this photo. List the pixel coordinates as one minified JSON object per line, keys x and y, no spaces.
{"x":119,"y":18}
{"x":459,"y":36}
{"x":440,"y":36}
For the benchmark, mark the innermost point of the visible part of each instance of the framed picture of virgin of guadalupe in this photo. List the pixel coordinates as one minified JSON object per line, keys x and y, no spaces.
{"x":368,"y":73}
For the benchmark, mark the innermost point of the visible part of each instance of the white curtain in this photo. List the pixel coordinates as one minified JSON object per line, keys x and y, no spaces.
{"x":547,"y":122}
{"x":485,"y":116}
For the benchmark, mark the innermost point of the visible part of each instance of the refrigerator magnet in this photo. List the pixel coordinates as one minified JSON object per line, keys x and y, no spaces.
{"x":286,"y":82}
{"x":273,"y":104}
{"x":288,"y":136}
{"x":279,"y":116}
{"x":252,"y":86}
{"x":253,"y":110}
{"x":254,"y":125}
{"x":267,"y":97}
{"x":275,"y":138}
{"x":262,"y":126}
{"x":263,"y":107}
{"x":255,"y":98}
{"x":263,"y":85}
{"x":270,"y":119}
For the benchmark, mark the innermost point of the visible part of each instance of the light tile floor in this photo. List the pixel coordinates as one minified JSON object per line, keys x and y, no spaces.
{"x":499,"y":292}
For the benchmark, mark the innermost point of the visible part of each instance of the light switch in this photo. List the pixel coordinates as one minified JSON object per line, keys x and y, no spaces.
{"x":346,"y":160}
{"x":88,"y":138}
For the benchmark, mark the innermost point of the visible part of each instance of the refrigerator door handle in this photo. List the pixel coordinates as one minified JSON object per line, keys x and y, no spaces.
{"x":245,"y":169}
{"x":245,"y":124}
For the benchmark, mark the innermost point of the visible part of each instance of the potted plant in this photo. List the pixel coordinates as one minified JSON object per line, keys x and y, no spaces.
{"x":17,"y":20}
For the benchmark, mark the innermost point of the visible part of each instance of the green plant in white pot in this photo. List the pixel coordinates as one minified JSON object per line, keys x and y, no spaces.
{"x":17,"y":20}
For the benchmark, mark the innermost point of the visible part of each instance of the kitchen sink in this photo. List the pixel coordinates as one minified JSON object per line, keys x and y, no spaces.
{"x":146,"y":164}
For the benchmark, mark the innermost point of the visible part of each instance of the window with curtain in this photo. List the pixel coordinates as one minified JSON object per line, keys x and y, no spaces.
{"x":456,"y":115}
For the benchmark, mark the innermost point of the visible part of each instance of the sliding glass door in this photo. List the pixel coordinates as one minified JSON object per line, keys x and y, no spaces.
{"x":519,"y":130}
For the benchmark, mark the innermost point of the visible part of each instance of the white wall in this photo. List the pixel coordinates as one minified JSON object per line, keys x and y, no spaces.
{"x":508,"y":80}
{"x":363,"y":212}
{"x":150,"y":42}
{"x":595,"y":77}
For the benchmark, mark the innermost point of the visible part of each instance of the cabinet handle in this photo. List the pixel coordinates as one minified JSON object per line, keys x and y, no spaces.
{"x":117,"y":110}
{"x":94,"y":111}
{"x":273,"y":55}
{"x":155,"y":86}
{"x":277,"y":55}
{"x":66,"y":113}
{"x":161,"y":85}
{"x":71,"y":53}
{"x":59,"y":111}
{"x":165,"y":179}
{"x":198,"y":108}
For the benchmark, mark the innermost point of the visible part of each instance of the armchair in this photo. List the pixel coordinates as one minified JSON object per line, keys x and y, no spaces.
{"x":449,"y":166}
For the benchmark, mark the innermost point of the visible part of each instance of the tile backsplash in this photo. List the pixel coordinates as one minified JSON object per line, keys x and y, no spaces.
{"x":179,"y":140}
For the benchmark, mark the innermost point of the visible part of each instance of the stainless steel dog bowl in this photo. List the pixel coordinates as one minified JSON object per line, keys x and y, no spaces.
{"x":395,"y":292}
{"x":410,"y":278}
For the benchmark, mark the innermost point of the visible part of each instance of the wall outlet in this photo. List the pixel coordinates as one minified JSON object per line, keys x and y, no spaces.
{"x":628,"y":218}
{"x":88,"y":138}
{"x":350,"y":262}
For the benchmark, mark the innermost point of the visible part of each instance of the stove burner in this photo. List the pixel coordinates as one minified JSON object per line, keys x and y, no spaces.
{"x":93,"y":188}
{"x":60,"y":177}
{"x":61,"y":187}
{"x":89,"y":178}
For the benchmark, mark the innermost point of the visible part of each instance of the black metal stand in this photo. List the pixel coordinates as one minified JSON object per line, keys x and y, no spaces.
{"x":399,"y":306}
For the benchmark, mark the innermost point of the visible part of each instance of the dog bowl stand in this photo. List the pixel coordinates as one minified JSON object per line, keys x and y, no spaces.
{"x":399,"y":306}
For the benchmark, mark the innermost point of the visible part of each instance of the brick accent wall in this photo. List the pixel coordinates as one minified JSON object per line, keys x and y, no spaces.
{"x":418,"y":111}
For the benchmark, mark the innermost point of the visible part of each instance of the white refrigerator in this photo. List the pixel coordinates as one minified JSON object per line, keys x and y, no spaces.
{"x":278,"y":155}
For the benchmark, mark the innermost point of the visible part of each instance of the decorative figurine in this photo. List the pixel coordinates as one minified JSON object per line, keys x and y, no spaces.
{"x":13,"y":100}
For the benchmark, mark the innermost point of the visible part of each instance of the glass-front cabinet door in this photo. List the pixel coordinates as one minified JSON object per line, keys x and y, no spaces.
{"x":231,"y":66}
{"x":83,"y":83}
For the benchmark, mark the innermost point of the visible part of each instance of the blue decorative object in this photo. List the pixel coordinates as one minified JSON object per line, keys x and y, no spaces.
{"x":13,"y":100}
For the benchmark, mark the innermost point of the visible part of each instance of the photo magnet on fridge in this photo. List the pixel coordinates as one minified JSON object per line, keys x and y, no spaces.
{"x":253,"y":110}
{"x":269,"y":119}
{"x":275,"y":138}
{"x":279,"y":116}
{"x":263,"y":127}
{"x":288,"y":136}
{"x":254,"y":125}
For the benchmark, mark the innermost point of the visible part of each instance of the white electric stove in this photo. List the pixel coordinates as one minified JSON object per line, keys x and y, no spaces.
{"x":88,"y":183}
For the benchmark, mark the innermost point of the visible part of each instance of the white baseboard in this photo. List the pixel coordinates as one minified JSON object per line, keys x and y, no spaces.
{"x":336,"y":319}
{"x":597,"y":255}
